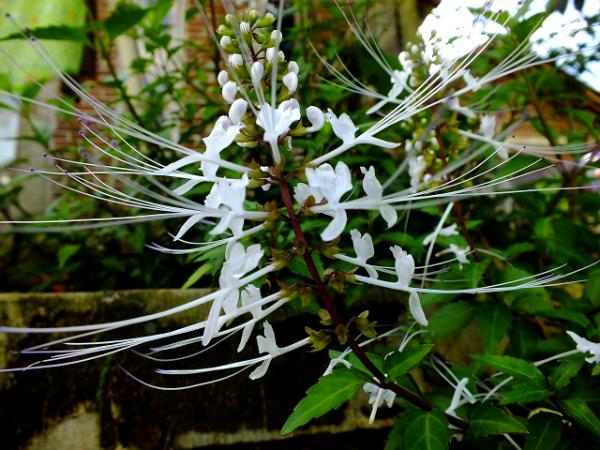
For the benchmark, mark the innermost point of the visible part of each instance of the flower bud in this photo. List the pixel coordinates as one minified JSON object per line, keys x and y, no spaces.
{"x":276,"y":36}
{"x":270,"y":55}
{"x":225,"y":41}
{"x":222,"y":77}
{"x":229,"y":91}
{"x":293,"y":67}
{"x":237,"y":110}
{"x":252,"y":16}
{"x":290,"y":81}
{"x":256,"y":72}
{"x":316,"y":118}
{"x":221,"y":30}
{"x":229,"y":19}
{"x":244,"y":27}
{"x":236,"y":60}
{"x":267,"y":20}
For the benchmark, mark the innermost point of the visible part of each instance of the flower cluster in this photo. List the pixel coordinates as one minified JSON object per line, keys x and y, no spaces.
{"x":277,"y":207}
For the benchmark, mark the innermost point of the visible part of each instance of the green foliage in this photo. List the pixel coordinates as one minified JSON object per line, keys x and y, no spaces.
{"x":416,"y":430}
{"x":486,"y":420}
{"x":329,"y":393}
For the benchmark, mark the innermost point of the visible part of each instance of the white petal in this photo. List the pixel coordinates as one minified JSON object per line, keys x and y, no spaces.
{"x":193,"y":220}
{"x":316,"y":117}
{"x":414,"y":304}
{"x":237,"y":110}
{"x":261,"y":370}
{"x":343,"y":127}
{"x":389,"y":214}
{"x":336,"y":226}
{"x":256,"y":72}
{"x":290,"y":81}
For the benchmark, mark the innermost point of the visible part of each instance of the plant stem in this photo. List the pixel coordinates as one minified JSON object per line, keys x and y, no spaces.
{"x":337,"y":318}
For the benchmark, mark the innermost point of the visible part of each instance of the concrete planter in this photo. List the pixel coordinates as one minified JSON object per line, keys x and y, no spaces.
{"x":96,"y":405}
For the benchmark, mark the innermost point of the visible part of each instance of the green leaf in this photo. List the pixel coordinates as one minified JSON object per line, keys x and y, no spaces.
{"x":53,"y":32}
{"x":401,"y":362}
{"x":419,"y":430}
{"x":562,"y":374}
{"x":66,"y":252}
{"x":487,"y":420}
{"x":519,"y":248}
{"x":198,"y":273}
{"x":494,"y":323}
{"x":592,"y":287}
{"x":544,"y":432}
{"x":124,"y":17}
{"x":450,"y":318}
{"x":330,"y":392}
{"x":583,"y":415}
{"x":474,"y":271}
{"x":509,"y":365}
{"x":525,"y":392}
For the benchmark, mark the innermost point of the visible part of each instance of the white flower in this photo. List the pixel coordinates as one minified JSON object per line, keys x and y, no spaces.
{"x":256,"y":72}
{"x":229,"y":91}
{"x":231,"y":194}
{"x":290,"y":81}
{"x":266,"y":344}
{"x":221,"y":136}
{"x":377,"y":397}
{"x":404,"y":265}
{"x":270,"y":55}
{"x":446,"y":231}
{"x":343,"y":127}
{"x":374,"y":191}
{"x":474,"y":84}
{"x":331,"y":185}
{"x":277,"y":122}
{"x":222,"y":78}
{"x":416,"y":169}
{"x":316,"y":118}
{"x":293,"y":67}
{"x":487,"y":125}
{"x":237,"y":110}
{"x":236,"y":60}
{"x":454,"y":105}
{"x":363,"y":247}
{"x":416,"y":309}
{"x":399,"y":83}
{"x":460,"y":391}
{"x":459,"y":253}
{"x":585,"y":346}
{"x":238,"y":262}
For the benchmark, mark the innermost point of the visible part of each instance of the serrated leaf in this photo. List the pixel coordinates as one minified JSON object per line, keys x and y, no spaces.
{"x":509,"y":365}
{"x":494,"y":322}
{"x":544,"y":432}
{"x":124,"y":17}
{"x":401,"y":362}
{"x":419,"y":430}
{"x":525,"y":392}
{"x":450,"y":318}
{"x":562,"y":374}
{"x":487,"y":420}
{"x":198,"y":273}
{"x":66,"y":252}
{"x":330,"y":392}
{"x":583,"y":415}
